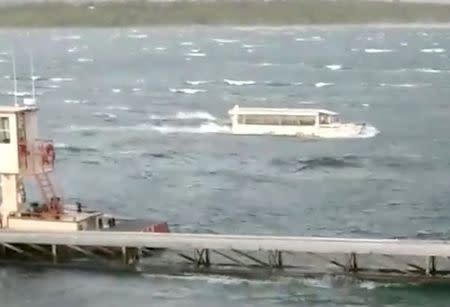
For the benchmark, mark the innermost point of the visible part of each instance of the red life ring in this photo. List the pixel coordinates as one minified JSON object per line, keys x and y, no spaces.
{"x":23,"y":149}
{"x":23,"y":154}
{"x":48,"y":154}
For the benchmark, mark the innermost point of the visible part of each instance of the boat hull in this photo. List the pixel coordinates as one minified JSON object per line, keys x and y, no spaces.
{"x":347,"y":130}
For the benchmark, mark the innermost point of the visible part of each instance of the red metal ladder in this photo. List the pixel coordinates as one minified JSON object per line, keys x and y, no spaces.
{"x":46,"y":187}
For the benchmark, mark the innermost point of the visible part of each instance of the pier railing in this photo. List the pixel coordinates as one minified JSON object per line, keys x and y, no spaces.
{"x":366,"y":258}
{"x":239,"y":242}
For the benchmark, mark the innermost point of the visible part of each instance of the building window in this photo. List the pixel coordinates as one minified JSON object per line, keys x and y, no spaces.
{"x":5,"y":133}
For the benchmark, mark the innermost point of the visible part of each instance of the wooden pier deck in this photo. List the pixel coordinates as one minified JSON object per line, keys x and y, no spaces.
{"x":379,"y":259}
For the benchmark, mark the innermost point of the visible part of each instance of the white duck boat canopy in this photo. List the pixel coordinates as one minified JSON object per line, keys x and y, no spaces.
{"x":286,"y":121}
{"x":278,"y":111}
{"x":283,"y":116}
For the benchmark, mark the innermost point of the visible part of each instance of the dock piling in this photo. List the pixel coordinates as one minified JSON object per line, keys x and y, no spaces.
{"x":431,"y":265}
{"x":54,"y":254}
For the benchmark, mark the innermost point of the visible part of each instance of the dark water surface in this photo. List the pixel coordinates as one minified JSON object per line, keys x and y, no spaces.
{"x":138,"y":135}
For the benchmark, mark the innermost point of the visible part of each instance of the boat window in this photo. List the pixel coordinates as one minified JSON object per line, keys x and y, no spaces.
{"x":306,"y":120}
{"x":261,"y":120}
{"x":275,"y":120}
{"x":299,"y":120}
{"x":334,"y":119}
{"x":5,"y":135}
{"x":325,"y":119}
{"x":289,"y":121}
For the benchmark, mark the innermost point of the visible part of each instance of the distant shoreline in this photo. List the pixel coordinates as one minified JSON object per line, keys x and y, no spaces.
{"x":222,"y":12}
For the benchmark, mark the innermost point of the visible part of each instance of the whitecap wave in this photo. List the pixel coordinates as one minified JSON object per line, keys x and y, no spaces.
{"x":277,"y":83}
{"x":72,"y":50}
{"x":118,"y":108}
{"x":196,"y":82}
{"x":52,"y":86}
{"x":77,"y":128}
{"x":210,"y":278}
{"x":432,"y":50}
{"x":105,"y":115}
{"x":374,"y":50}
{"x":61,"y":79}
{"x":195,"y":54}
{"x":85,"y":60}
{"x":334,"y":67}
{"x":195,"y":115}
{"x":137,"y":36}
{"x":75,"y":101}
{"x":17,"y":93}
{"x":326,"y":282}
{"x":189,"y":91}
{"x":429,"y":70}
{"x":60,"y":145}
{"x":323,"y":84}
{"x":309,"y":39}
{"x":266,"y":64}
{"x":66,"y":37}
{"x":239,"y":82}
{"x":402,"y":85}
{"x":225,"y":41}
{"x":186,"y":43}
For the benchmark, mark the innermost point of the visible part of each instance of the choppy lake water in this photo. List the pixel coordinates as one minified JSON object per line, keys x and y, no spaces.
{"x":138,"y":119}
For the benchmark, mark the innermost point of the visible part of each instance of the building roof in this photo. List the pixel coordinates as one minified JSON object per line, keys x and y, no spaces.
{"x":14,"y":109}
{"x":278,"y":111}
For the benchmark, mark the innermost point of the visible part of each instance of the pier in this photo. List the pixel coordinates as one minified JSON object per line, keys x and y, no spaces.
{"x":258,"y":256}
{"x":53,"y":232}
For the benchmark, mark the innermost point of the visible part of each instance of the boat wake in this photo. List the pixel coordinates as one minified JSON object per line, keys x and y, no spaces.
{"x":326,"y":282}
{"x":203,"y":128}
{"x":369,"y":132}
{"x":185,"y":115}
{"x":200,"y":129}
{"x":194,"y":122}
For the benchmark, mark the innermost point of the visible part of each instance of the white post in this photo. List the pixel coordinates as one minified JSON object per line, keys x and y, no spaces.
{"x":14,"y":79}
{"x":33,"y":90}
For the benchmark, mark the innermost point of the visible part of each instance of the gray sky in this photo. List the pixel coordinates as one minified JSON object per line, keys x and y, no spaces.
{"x":83,"y":1}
